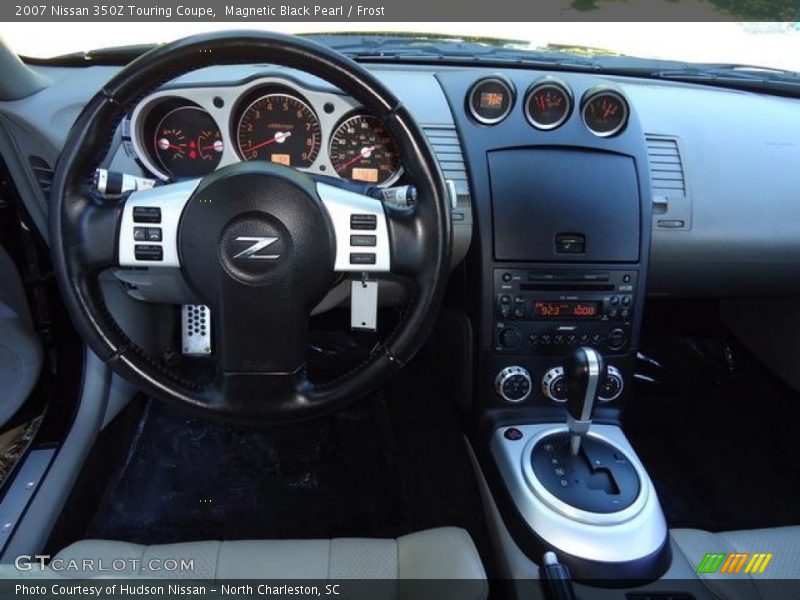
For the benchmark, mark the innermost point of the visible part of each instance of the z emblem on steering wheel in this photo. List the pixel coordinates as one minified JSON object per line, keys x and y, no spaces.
{"x":251,"y":252}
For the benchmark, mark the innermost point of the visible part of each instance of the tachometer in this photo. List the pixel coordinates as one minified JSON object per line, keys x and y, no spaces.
{"x":187,"y":142}
{"x":605,"y":113}
{"x":279,"y":128}
{"x":362,"y":149}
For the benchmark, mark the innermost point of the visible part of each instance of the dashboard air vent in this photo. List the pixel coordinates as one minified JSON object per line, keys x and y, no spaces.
{"x":666,"y":167}
{"x":43,"y":173}
{"x":445,"y":144}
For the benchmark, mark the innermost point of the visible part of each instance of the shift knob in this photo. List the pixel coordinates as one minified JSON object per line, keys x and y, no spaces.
{"x":584,"y":369}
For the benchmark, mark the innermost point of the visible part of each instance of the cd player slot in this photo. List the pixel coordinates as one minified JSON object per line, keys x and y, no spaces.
{"x":567,"y":286}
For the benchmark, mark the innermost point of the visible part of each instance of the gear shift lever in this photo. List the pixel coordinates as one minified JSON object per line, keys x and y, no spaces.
{"x":584,"y":369}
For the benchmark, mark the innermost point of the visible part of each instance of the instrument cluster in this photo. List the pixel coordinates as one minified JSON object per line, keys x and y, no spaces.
{"x":189,"y":132}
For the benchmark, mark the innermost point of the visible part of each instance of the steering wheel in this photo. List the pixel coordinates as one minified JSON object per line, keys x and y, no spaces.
{"x":259,"y":243}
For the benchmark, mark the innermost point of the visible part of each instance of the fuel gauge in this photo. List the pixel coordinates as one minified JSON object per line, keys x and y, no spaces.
{"x":188,"y":142}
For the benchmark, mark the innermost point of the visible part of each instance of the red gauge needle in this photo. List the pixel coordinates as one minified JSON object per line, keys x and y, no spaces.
{"x":365,"y":152}
{"x":164,"y":144}
{"x":278,"y":137}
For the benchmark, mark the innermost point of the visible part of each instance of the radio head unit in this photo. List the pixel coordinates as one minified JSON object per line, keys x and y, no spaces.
{"x":546,"y":311}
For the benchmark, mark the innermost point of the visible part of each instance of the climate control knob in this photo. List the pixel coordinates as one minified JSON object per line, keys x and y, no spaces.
{"x":612,"y":385}
{"x":513,"y":384}
{"x":554,"y":386}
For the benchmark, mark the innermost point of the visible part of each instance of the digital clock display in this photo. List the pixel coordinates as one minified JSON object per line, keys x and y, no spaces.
{"x":558,"y":310}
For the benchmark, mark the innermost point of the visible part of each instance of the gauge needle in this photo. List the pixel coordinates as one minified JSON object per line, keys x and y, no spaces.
{"x":278,"y":137}
{"x":164,"y":144}
{"x":365,"y":152}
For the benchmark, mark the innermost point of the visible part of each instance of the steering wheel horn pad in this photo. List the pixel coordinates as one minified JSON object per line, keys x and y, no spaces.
{"x":256,"y":246}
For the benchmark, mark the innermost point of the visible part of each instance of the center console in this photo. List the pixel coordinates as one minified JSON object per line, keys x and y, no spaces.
{"x":562,"y":216}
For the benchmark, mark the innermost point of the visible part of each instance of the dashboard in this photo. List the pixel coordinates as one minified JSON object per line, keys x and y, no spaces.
{"x":723,"y":187}
{"x":191,"y":131}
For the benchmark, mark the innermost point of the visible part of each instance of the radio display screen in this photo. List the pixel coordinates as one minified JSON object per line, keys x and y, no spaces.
{"x":547,"y":309}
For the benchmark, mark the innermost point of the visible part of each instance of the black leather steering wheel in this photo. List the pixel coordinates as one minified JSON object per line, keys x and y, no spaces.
{"x":261,"y":298}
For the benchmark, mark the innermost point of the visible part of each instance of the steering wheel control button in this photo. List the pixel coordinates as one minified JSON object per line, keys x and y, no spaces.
{"x":149,"y":252}
{"x":140,"y":234}
{"x":513,"y":434}
{"x":363,"y":240}
{"x":146,"y":214}
{"x":364,"y":222}
{"x":513,"y":384}
{"x":362,"y":258}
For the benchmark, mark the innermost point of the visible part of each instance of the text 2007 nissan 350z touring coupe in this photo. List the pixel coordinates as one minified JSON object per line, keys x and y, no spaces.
{"x":457,"y":318}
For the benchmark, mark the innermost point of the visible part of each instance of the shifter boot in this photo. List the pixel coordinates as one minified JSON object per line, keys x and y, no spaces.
{"x":600,"y":479}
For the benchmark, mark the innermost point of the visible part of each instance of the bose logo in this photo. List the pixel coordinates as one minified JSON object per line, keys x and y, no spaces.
{"x":252,"y":251}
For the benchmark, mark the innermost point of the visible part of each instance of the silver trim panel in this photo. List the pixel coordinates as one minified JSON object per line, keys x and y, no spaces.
{"x":624,"y":536}
{"x":203,"y":96}
{"x":171,"y":199}
{"x":341,"y":205}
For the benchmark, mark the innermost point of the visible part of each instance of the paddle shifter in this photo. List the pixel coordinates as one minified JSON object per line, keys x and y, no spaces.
{"x":584,"y":370}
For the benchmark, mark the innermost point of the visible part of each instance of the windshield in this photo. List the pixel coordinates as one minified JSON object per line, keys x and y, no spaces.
{"x":772,"y":45}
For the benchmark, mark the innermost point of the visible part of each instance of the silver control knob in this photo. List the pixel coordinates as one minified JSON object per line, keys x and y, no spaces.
{"x":513,"y":384}
{"x":612,"y":387}
{"x":554,"y":386}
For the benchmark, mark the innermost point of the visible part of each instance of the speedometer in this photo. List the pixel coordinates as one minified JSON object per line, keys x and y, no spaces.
{"x":362,"y":149}
{"x":279,"y":128}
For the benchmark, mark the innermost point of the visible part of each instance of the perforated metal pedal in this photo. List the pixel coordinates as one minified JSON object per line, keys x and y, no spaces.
{"x":195,"y":330}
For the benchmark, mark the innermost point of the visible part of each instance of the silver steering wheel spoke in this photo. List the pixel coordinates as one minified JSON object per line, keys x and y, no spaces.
{"x":148,"y":234}
{"x":361,"y":229}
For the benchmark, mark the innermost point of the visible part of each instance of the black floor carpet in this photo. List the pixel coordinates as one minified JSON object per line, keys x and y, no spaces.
{"x":186,"y":478}
{"x":392,"y":464}
{"x":720,"y":441}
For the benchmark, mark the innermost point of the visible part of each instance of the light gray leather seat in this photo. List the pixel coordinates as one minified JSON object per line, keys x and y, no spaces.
{"x":782,"y":542}
{"x":20,"y":347}
{"x":444,"y":553}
